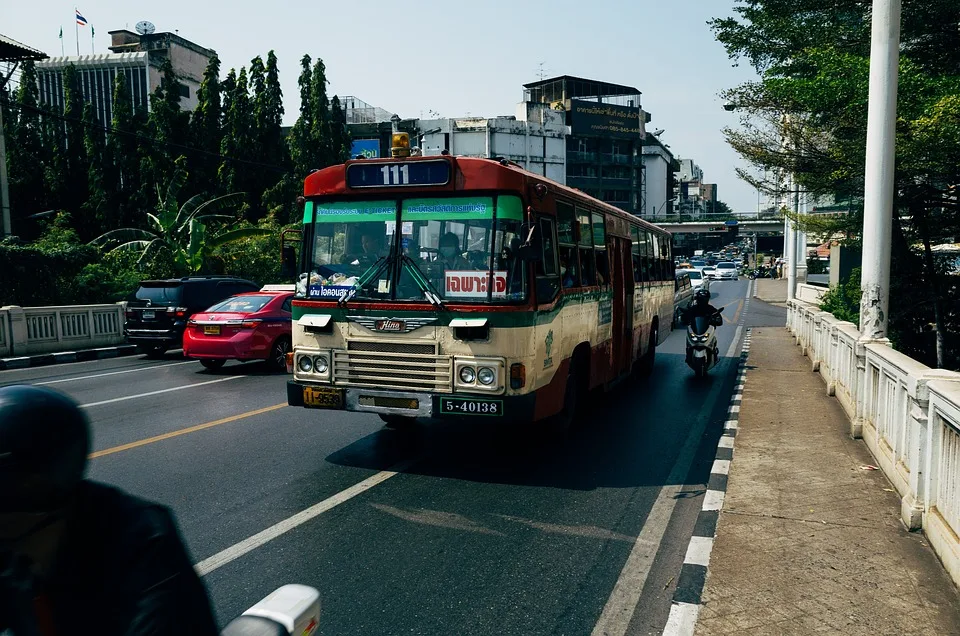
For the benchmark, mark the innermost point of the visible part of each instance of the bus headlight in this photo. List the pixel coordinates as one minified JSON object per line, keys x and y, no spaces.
{"x":486,"y":376}
{"x":320,"y":364}
{"x":467,"y":375}
{"x":305,"y":364}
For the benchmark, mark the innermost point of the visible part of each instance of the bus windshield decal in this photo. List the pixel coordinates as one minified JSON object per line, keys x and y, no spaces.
{"x":351,"y":211}
{"x":441,"y":209}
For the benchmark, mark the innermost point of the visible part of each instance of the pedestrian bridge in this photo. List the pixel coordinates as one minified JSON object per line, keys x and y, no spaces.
{"x":716,"y":227}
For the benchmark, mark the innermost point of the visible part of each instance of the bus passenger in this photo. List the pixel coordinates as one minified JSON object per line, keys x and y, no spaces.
{"x":567,"y":272}
{"x":449,"y":257}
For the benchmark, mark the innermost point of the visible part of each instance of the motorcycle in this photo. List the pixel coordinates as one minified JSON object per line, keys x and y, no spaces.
{"x":702,"y":353}
{"x":288,"y":610}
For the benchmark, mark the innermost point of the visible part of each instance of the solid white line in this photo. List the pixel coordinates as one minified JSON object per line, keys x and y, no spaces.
{"x":682,"y":619}
{"x":698,"y":552}
{"x":149,"y":393}
{"x":713,"y":500}
{"x":103,"y":375}
{"x":622,"y":603}
{"x":721,"y":467}
{"x":725,"y":442}
{"x":732,"y":350}
{"x":237,"y":550}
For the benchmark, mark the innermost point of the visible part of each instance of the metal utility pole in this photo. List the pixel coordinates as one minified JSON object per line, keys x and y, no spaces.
{"x":802,"y":245}
{"x":4,"y":190}
{"x":790,"y":245}
{"x":879,"y":169}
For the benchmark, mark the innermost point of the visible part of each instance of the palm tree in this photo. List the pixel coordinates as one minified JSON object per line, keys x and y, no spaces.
{"x":180,"y":231}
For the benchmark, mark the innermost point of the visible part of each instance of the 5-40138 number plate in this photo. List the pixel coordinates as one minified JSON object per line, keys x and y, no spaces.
{"x":464,"y":406}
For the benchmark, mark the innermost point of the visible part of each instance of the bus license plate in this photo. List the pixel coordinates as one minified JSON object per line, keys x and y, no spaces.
{"x":462,"y":406}
{"x":322,"y":397}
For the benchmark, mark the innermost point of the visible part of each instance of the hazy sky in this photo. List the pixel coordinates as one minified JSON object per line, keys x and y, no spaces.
{"x":453,"y":57}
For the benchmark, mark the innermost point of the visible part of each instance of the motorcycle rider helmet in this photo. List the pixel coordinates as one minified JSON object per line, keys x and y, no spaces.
{"x":701,"y":296}
{"x":44,"y":442}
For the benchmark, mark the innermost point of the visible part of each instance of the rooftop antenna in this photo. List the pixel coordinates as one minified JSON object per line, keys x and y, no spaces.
{"x":541,"y":72}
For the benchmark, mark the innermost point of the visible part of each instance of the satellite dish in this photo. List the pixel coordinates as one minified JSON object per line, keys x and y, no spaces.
{"x":145,"y":28}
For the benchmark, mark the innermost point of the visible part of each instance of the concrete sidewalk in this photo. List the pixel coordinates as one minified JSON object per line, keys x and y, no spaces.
{"x":809,"y":539}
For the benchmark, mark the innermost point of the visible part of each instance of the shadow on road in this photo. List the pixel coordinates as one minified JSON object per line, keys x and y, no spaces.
{"x":628,"y":438}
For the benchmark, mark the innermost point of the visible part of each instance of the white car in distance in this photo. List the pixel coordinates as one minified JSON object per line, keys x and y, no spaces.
{"x":726,"y":270}
{"x":697,"y":278}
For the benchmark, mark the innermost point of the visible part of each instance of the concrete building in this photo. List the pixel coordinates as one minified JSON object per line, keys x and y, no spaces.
{"x":689,"y":200}
{"x":138,"y":57}
{"x":371,"y":128}
{"x":607,"y":127}
{"x":659,"y":171}
{"x":534,"y":138}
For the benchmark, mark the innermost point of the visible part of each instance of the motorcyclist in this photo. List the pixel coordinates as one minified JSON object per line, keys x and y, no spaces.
{"x":700,"y":306}
{"x":77,"y":556}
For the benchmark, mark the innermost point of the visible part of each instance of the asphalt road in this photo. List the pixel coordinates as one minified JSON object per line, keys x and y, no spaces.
{"x":451,"y":529}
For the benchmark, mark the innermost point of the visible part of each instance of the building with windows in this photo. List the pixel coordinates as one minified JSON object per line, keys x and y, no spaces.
{"x":534,"y":138}
{"x":689,"y":200}
{"x":604,"y":146}
{"x":659,"y":179}
{"x":138,"y":57}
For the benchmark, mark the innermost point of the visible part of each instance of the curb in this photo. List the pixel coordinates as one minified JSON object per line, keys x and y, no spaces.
{"x":82,"y":355}
{"x":687,"y":599}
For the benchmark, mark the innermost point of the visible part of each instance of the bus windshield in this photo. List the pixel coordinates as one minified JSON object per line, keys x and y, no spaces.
{"x":462,"y":249}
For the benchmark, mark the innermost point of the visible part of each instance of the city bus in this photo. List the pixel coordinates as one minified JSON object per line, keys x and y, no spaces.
{"x":452,"y":287}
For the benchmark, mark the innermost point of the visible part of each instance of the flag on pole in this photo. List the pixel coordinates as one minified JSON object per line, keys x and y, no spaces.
{"x":82,"y":21}
{"x":61,"y":33}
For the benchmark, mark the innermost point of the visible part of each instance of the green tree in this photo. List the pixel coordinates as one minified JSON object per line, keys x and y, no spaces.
{"x":27,"y":153}
{"x":320,"y":117}
{"x":98,"y":208}
{"x":124,"y":182}
{"x":166,"y":126}
{"x":72,"y":186}
{"x":206,"y":132}
{"x":301,"y":145}
{"x":806,"y":117}
{"x":180,"y":231}
{"x":339,"y":133}
{"x":236,"y":146}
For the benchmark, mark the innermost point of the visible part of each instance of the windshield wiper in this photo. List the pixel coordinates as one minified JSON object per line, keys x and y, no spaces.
{"x":429,"y":291}
{"x":372,"y":272}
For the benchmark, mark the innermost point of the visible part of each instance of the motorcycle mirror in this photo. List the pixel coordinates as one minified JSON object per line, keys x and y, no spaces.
{"x":291,"y":609}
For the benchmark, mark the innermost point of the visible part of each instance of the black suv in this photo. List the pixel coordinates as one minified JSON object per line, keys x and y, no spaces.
{"x":158,"y":312}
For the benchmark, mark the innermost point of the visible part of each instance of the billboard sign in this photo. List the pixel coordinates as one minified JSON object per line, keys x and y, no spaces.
{"x":605,"y":120}
{"x":368,"y":148}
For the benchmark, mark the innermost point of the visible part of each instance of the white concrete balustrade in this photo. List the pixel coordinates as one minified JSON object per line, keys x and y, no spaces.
{"x":907,"y":413}
{"x":26,"y":331}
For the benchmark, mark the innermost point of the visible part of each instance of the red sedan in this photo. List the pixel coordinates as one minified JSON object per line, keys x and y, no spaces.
{"x":252,"y":326}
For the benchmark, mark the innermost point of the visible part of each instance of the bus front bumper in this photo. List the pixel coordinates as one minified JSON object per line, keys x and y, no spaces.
{"x":454,"y":405}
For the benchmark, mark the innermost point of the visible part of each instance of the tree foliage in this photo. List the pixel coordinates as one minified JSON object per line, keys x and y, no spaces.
{"x":807,"y":114}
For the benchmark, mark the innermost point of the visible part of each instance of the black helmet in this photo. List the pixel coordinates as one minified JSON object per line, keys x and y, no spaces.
{"x":44,"y":441}
{"x":701,"y":295}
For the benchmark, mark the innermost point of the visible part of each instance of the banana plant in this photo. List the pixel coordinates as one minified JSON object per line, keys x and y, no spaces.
{"x":180,"y":231}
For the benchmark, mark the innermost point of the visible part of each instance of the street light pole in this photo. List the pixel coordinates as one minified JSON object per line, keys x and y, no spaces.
{"x":791,"y":246}
{"x":879,"y":169}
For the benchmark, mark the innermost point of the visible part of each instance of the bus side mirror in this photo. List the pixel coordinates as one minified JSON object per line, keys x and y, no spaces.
{"x":531,"y":250}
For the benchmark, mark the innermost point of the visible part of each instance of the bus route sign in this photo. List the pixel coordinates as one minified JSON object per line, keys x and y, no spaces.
{"x":391,"y":175}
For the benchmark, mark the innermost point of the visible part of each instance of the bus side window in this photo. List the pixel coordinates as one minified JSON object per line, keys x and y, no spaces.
{"x":668,"y":267}
{"x":588,"y":268}
{"x":637,"y":262}
{"x":566,"y":238}
{"x":600,"y":246}
{"x":548,"y":274}
{"x":657,"y":269}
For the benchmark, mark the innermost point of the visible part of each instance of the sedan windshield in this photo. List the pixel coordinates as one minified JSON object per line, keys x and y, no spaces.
{"x":461,"y":249}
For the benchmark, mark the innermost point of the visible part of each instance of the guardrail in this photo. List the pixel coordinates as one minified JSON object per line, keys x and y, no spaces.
{"x":28,"y":331}
{"x":907,"y":413}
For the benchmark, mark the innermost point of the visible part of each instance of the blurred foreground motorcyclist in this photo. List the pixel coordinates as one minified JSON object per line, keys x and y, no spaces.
{"x":79,"y":557}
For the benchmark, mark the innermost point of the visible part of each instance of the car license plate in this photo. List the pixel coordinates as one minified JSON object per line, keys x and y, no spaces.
{"x":149,"y":314}
{"x":211,"y":330}
{"x":322,"y":397}
{"x":462,"y":406}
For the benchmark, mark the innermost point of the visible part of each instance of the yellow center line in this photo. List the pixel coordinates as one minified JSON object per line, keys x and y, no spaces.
{"x":737,"y":313}
{"x":184,"y":431}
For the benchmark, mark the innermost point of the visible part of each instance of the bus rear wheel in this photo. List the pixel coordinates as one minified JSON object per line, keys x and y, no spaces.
{"x":645,"y":363}
{"x":572,"y":401}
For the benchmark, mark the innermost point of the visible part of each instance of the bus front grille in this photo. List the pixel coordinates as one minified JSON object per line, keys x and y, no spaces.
{"x":403,"y":366}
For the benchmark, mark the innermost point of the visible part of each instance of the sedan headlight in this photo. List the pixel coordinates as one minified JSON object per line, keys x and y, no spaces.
{"x":467,"y":375}
{"x":486,"y":376}
{"x":305,"y":364}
